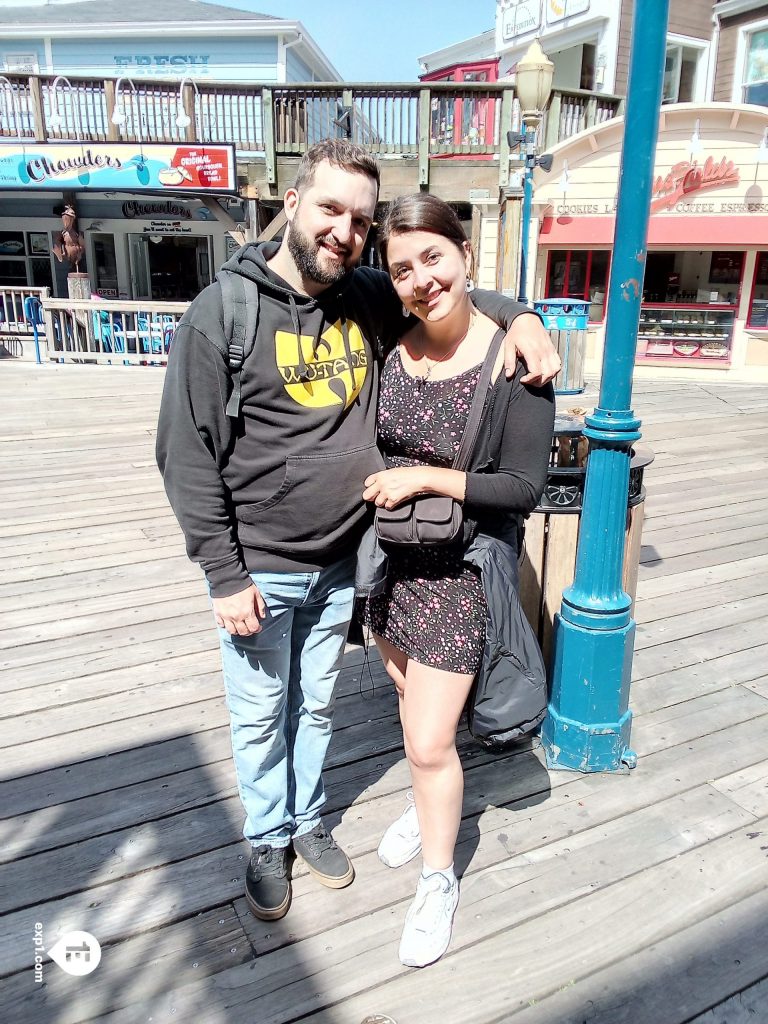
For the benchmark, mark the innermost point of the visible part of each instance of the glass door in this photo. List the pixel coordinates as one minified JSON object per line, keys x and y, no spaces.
{"x":138,"y":246}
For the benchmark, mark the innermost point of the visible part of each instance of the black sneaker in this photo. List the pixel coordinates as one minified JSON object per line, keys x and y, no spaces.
{"x":324,"y":857}
{"x":267,"y":885}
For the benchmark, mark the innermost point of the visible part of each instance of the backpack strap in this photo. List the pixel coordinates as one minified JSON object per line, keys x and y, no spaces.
{"x":240,"y":305}
{"x":478,"y":402}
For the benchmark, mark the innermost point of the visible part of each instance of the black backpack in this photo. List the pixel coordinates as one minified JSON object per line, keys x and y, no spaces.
{"x":240,"y":303}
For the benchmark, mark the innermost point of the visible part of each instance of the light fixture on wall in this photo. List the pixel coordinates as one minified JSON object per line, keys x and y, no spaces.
{"x":183,"y":118}
{"x":695,"y":146}
{"x":118,"y":115}
{"x":565,"y":179}
{"x":762,"y":149}
{"x":55,"y":119}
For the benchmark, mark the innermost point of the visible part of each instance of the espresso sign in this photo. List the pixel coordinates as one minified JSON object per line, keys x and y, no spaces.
{"x":688,"y":177}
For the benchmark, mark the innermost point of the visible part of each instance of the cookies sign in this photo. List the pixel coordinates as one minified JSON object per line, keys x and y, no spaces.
{"x":123,"y":166}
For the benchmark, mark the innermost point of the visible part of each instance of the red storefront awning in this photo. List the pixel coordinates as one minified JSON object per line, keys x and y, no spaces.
{"x":722,"y":232}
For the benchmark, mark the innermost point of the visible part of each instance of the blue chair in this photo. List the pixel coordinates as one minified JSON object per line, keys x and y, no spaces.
{"x":33,"y":314}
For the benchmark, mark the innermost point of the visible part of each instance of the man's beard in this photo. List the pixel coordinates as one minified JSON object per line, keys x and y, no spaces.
{"x":306,"y":255}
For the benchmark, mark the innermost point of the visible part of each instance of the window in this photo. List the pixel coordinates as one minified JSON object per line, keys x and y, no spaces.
{"x":21,"y":63}
{"x":758,"y":306}
{"x":681,"y":73}
{"x":755,"y":86}
{"x":580,"y":274}
{"x":25,"y":259}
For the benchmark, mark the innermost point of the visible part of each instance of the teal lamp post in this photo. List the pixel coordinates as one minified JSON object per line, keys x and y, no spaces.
{"x":588,"y":726}
{"x":533,"y":85}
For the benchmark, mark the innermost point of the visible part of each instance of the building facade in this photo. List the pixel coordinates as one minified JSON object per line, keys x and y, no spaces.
{"x":139,"y":245}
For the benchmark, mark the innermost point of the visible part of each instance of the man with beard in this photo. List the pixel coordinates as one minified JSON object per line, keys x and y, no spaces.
{"x":270,"y":499}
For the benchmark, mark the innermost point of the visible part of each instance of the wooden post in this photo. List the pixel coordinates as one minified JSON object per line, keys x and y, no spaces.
{"x":552,"y":127}
{"x":508,"y":250}
{"x":505,"y":125}
{"x":591,"y":113}
{"x":113,"y":130}
{"x":268,"y":131}
{"x":38,"y":111}
{"x":425,"y":124}
{"x":188,"y":99}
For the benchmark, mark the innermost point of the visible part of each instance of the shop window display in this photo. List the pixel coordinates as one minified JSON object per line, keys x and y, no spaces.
{"x":758,"y":307}
{"x":580,"y":274}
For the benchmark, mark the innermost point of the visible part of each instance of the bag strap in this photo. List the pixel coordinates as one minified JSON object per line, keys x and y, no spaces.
{"x":240,"y":304}
{"x":472,"y":428}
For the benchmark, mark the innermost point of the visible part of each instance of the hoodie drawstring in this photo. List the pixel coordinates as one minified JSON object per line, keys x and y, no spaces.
{"x":297,"y":331}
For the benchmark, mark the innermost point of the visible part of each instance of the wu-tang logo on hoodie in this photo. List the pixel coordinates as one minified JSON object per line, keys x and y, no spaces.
{"x":325,"y":372}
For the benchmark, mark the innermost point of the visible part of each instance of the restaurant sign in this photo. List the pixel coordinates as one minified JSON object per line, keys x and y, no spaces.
{"x":119,"y":166}
{"x":687,"y":178}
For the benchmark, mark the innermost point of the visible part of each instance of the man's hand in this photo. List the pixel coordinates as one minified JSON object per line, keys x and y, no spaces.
{"x":240,"y":613}
{"x":529,"y":339}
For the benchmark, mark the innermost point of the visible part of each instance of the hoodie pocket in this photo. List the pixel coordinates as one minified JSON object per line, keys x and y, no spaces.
{"x":317,"y":505}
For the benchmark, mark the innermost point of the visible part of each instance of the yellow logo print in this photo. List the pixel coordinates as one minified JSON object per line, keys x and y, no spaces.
{"x":329,"y":378}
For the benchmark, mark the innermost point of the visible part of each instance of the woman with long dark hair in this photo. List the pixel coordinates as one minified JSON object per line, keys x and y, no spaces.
{"x":430,"y":620}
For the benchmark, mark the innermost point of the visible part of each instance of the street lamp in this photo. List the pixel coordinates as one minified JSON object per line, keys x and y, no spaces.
{"x":533,"y":85}
{"x":589,"y":722}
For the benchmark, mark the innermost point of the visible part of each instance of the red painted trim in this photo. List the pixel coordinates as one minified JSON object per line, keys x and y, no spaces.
{"x":694,"y":232}
{"x":457,"y":71}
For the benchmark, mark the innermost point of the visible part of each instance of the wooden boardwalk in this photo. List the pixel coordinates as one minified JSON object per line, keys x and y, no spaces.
{"x":631,"y":899}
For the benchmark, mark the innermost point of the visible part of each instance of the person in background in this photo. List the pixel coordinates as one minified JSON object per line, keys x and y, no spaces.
{"x":430,"y":620}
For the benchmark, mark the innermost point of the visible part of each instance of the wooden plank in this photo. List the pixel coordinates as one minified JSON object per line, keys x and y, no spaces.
{"x":692,"y":623}
{"x":532,"y":568}
{"x":519,"y":906}
{"x":562,"y":540}
{"x":700,"y":599}
{"x":620,"y":919}
{"x":746,"y":1006}
{"x":698,"y":649}
{"x":671,"y":979}
{"x":700,"y":576}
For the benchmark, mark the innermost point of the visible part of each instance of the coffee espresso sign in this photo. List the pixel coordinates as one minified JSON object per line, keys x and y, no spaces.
{"x":672,"y":192}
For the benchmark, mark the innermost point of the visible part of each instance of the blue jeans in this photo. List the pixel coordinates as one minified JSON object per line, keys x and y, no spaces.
{"x":280,"y":693}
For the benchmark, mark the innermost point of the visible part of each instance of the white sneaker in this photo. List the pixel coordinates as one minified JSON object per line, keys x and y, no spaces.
{"x":402,"y":840}
{"x":428,"y":922}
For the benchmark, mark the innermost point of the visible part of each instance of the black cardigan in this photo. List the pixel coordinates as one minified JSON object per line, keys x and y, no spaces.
{"x":508,"y":469}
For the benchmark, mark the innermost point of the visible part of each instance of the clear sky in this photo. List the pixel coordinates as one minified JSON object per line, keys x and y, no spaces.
{"x":371,"y":41}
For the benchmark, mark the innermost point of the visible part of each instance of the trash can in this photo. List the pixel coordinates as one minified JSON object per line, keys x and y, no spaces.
{"x":548,"y":559}
{"x":566,"y":320}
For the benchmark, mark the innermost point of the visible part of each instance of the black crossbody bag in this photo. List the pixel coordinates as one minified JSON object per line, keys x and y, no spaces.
{"x":432,"y":519}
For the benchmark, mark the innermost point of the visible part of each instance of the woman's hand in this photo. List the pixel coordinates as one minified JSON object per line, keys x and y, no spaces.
{"x":392,"y":486}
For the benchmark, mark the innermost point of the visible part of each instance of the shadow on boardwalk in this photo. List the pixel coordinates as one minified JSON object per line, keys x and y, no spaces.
{"x":631,"y":899}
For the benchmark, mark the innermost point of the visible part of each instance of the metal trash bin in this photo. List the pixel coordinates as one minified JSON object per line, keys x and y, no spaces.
{"x":548,"y":559}
{"x":566,"y":320}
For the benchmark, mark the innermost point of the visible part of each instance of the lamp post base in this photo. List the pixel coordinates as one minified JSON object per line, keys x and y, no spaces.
{"x":588,"y":725}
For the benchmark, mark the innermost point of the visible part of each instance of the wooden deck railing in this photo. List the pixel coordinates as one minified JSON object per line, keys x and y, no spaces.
{"x":106,"y":331}
{"x":412,"y":119}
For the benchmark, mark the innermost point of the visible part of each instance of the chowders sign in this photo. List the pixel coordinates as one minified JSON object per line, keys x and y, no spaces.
{"x":119,"y":166}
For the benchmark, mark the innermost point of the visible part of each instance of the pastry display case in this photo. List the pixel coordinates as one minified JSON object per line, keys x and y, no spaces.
{"x":696,"y":334}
